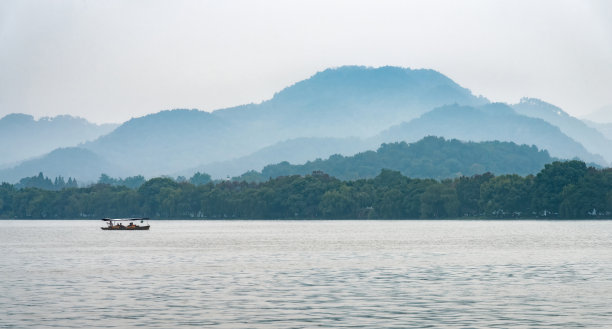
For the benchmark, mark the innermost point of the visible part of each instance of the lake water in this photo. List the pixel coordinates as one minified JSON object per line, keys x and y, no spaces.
{"x":296,"y":274}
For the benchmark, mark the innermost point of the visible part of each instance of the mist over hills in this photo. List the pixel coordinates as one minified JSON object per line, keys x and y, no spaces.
{"x":592,"y":140}
{"x":168,"y":141}
{"x":23,"y":137}
{"x":489,"y":122}
{"x":604,"y":128}
{"x":337,"y":111}
{"x":298,"y":150}
{"x":365,"y":100}
{"x":344,"y":102}
{"x":602,"y":115}
{"x":82,"y":164}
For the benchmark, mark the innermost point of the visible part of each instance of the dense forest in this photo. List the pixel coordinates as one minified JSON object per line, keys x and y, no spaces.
{"x":560,"y":190}
{"x":430,"y":157}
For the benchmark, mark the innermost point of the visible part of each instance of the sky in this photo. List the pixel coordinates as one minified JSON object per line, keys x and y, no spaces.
{"x":111,"y":60}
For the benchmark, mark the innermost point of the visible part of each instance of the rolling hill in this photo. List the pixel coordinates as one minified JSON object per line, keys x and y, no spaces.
{"x":486,"y":123}
{"x":22,"y":137}
{"x":592,"y":139}
{"x":75,"y":162}
{"x":431,"y":157}
{"x":297,"y":151}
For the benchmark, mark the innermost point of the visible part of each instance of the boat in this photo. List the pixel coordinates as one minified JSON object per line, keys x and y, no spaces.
{"x":117,"y":224}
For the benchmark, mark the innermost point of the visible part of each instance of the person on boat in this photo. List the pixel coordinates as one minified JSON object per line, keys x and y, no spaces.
{"x":131,"y":225}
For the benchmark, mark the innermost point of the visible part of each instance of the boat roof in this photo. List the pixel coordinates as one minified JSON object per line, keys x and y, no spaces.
{"x":123,"y":219}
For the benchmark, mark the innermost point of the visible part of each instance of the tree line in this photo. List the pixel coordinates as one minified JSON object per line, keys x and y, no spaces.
{"x":45,"y":183}
{"x":567,"y":189}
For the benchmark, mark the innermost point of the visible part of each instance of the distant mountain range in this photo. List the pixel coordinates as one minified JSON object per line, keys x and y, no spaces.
{"x":604,"y":128}
{"x":343,"y":110}
{"x":337,"y":103}
{"x":297,"y":150}
{"x":602,"y":115}
{"x":593,"y":140}
{"x":23,"y":137}
{"x":489,"y":122}
{"x":75,"y":162}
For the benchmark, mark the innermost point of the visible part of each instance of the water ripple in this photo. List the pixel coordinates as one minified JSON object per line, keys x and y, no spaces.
{"x":292,"y":274}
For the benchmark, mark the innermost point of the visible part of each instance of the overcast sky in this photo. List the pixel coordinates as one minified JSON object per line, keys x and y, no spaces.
{"x":108,"y":61}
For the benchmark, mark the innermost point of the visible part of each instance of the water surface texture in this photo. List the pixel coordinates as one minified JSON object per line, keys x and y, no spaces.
{"x":296,"y":274}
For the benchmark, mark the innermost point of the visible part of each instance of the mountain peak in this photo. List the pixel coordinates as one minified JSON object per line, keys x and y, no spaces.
{"x":357,"y":80}
{"x":16,"y":118}
{"x":538,"y":105}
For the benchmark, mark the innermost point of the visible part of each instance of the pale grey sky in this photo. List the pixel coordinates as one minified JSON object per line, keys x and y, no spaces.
{"x":110,"y":60}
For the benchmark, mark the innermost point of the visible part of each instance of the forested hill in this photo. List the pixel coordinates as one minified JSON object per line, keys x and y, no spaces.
{"x":431,"y":157}
{"x":490,"y":122}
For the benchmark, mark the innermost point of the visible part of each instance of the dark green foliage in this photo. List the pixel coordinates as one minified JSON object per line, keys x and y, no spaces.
{"x":431,"y":157}
{"x":44,"y":183}
{"x":552,"y":180}
{"x":133,"y":182}
{"x":199,"y":179}
{"x":507,"y":195}
{"x":560,"y":190}
{"x":468,"y":193}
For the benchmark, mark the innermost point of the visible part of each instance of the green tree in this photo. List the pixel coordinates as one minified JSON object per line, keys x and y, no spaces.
{"x":199,"y":179}
{"x":439,"y":201}
{"x":550,"y":182}
{"x":506,"y":196}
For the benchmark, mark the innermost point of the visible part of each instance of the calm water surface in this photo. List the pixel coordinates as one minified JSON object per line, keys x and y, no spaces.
{"x":296,"y":274}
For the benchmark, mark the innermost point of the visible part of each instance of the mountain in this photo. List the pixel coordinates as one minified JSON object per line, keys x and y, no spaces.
{"x":343,"y":102}
{"x":82,"y":164}
{"x":342,"y":110}
{"x":592,"y":139}
{"x":168,"y":141}
{"x":604,"y":128}
{"x":364,"y":100}
{"x":297,"y":151}
{"x":24,"y":137}
{"x":489,"y":122}
{"x":431,"y":157}
{"x":602,"y":115}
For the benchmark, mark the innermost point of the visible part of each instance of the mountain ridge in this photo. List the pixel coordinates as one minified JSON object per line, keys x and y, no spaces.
{"x":593,"y":140}
{"x":327,"y":109}
{"x":24,"y":137}
{"x":496,"y":121}
{"x":430,"y":157}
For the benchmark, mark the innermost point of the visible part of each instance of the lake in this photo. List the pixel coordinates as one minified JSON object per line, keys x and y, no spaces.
{"x":296,"y":274}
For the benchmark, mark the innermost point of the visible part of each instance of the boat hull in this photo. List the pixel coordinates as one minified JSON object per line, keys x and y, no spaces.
{"x":125,"y":228}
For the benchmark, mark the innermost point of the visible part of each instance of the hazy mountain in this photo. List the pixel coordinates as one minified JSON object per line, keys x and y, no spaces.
{"x":75,"y":162}
{"x":296,"y":151}
{"x":602,"y":115}
{"x":168,"y":141}
{"x":431,"y":157}
{"x":22,"y":137}
{"x":490,"y":122}
{"x":316,"y":117}
{"x":604,"y":128}
{"x":342,"y":102}
{"x":592,"y":139}
{"x":349,"y":101}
